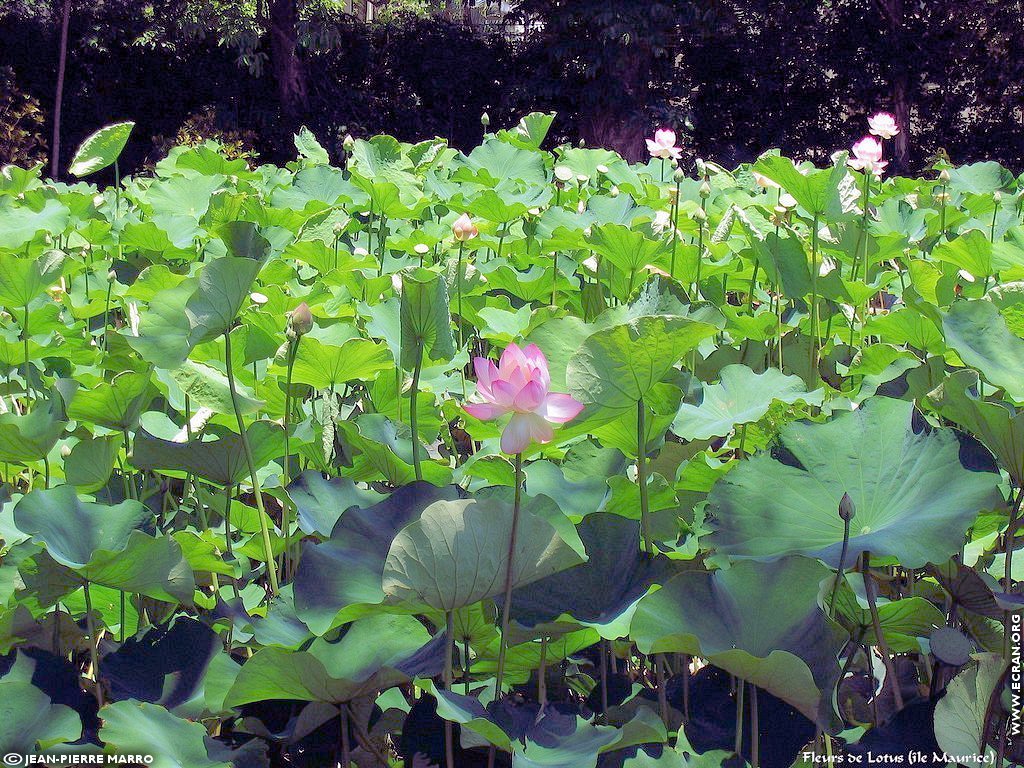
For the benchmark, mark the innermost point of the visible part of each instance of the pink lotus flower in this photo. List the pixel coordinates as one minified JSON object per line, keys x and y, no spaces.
{"x":867,"y":155}
{"x":664,"y":145}
{"x":463,"y":228}
{"x":519,"y":384}
{"x":883,"y":125}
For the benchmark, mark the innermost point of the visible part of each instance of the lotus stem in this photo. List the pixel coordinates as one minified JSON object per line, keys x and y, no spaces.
{"x":29,"y":391}
{"x":449,"y":749}
{"x":674,"y":213}
{"x":293,"y":349}
{"x":755,"y":731}
{"x":509,"y":572}
{"x":458,"y":297}
{"x":659,"y":676}
{"x":268,"y":549}
{"x":815,"y":319}
{"x":883,"y":646}
{"x":641,"y":475}
{"x":542,"y":683}
{"x":344,"y":759}
{"x":94,"y":653}
{"x":840,"y":572}
{"x":413,"y":413}
{"x":740,"y":686}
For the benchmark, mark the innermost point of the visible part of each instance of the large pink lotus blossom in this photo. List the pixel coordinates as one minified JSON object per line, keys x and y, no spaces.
{"x":867,"y":156}
{"x":519,"y":384}
{"x":664,"y":145}
{"x":883,"y":125}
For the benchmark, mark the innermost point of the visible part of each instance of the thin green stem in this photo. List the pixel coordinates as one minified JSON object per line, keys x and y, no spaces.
{"x":509,"y":571}
{"x":883,"y":646}
{"x":740,"y":686}
{"x":449,"y":749}
{"x":268,"y":549}
{"x":413,"y":413}
{"x":641,"y":474}
{"x":94,"y":653}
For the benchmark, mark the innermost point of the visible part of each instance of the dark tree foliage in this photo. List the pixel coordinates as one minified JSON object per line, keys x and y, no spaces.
{"x":732,"y":77}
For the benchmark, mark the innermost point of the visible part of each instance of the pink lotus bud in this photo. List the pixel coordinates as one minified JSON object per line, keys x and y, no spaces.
{"x":300,"y":321}
{"x":463,"y":228}
{"x":867,"y":156}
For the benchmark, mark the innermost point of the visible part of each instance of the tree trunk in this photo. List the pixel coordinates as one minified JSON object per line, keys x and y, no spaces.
{"x":287,"y":67}
{"x":892,"y":10}
{"x":59,"y":96}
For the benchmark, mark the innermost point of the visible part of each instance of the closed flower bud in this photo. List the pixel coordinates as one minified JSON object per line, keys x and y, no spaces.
{"x":464,"y":229}
{"x":678,"y":176}
{"x":944,"y":176}
{"x":700,"y":215}
{"x":65,"y":450}
{"x":112,"y":276}
{"x":846,"y":508}
{"x":485,"y":119}
{"x":300,"y":321}
{"x":997,"y":197}
{"x":348,"y":142}
{"x":705,"y":190}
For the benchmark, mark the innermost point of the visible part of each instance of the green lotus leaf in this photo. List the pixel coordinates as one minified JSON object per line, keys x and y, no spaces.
{"x":373,"y":653}
{"x":741,"y":397}
{"x":426,"y":324}
{"x":223,"y":286}
{"x":23,"y":279}
{"x":324,"y":366}
{"x":913,"y":497}
{"x":978,"y":333}
{"x":618,"y":366}
{"x":29,"y":437}
{"x":220,"y":460}
{"x":343,"y":575}
{"x":816,"y":190}
{"x":999,"y":427}
{"x":626,"y":248}
{"x":379,"y":447}
{"x":140,"y":728}
{"x":971,"y":251}
{"x":456,"y":554}
{"x":91,"y":462}
{"x":115,"y":404}
{"x":29,"y":720}
{"x":207,"y":387}
{"x":758,"y":621}
{"x":962,"y":715}
{"x":101,"y":149}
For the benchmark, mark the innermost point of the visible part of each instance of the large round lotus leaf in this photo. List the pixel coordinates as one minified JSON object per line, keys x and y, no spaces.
{"x":375,"y":652}
{"x":29,"y":437}
{"x":103,"y":544}
{"x":220,"y":460}
{"x":962,"y":715}
{"x":913,"y":499}
{"x":136,"y":728}
{"x":758,"y":621}
{"x":456,"y":554}
{"x":28,"y":718}
{"x":74,"y":530}
{"x":618,"y":366}
{"x":979,"y":334}
{"x":741,"y":397}
{"x":320,"y":503}
{"x":598,"y":591}
{"x":343,"y":573}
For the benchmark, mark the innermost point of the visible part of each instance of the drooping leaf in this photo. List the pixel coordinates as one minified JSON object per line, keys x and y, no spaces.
{"x":101,"y":149}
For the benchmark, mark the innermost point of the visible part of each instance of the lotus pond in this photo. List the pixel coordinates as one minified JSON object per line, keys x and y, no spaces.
{"x":515,"y":457}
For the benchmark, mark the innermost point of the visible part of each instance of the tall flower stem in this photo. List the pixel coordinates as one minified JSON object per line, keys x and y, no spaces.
{"x":755,"y":730}
{"x":815,"y":318}
{"x":29,"y":391}
{"x":740,"y":686}
{"x":509,"y":571}
{"x":293,"y":348}
{"x":449,"y":748}
{"x":268,"y":549}
{"x":506,"y":608}
{"x":413,"y":413}
{"x":883,"y":646}
{"x":94,"y":654}
{"x":458,"y":295}
{"x":674,"y":213}
{"x":641,"y":474}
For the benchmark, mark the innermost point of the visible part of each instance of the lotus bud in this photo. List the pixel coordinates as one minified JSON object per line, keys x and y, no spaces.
{"x":705,"y":190}
{"x":485,"y":120}
{"x":678,"y":176}
{"x":702,"y":169}
{"x":112,"y":276}
{"x":700,"y":215}
{"x":338,"y":228}
{"x":65,"y":450}
{"x":582,"y":143}
{"x":464,"y":229}
{"x":846,"y":508}
{"x":300,"y":321}
{"x":997,"y":197}
{"x":614,"y":191}
{"x":348,"y":142}
{"x":944,"y":176}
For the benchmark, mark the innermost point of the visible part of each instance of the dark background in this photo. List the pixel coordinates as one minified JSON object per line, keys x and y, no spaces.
{"x":732,"y":78}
